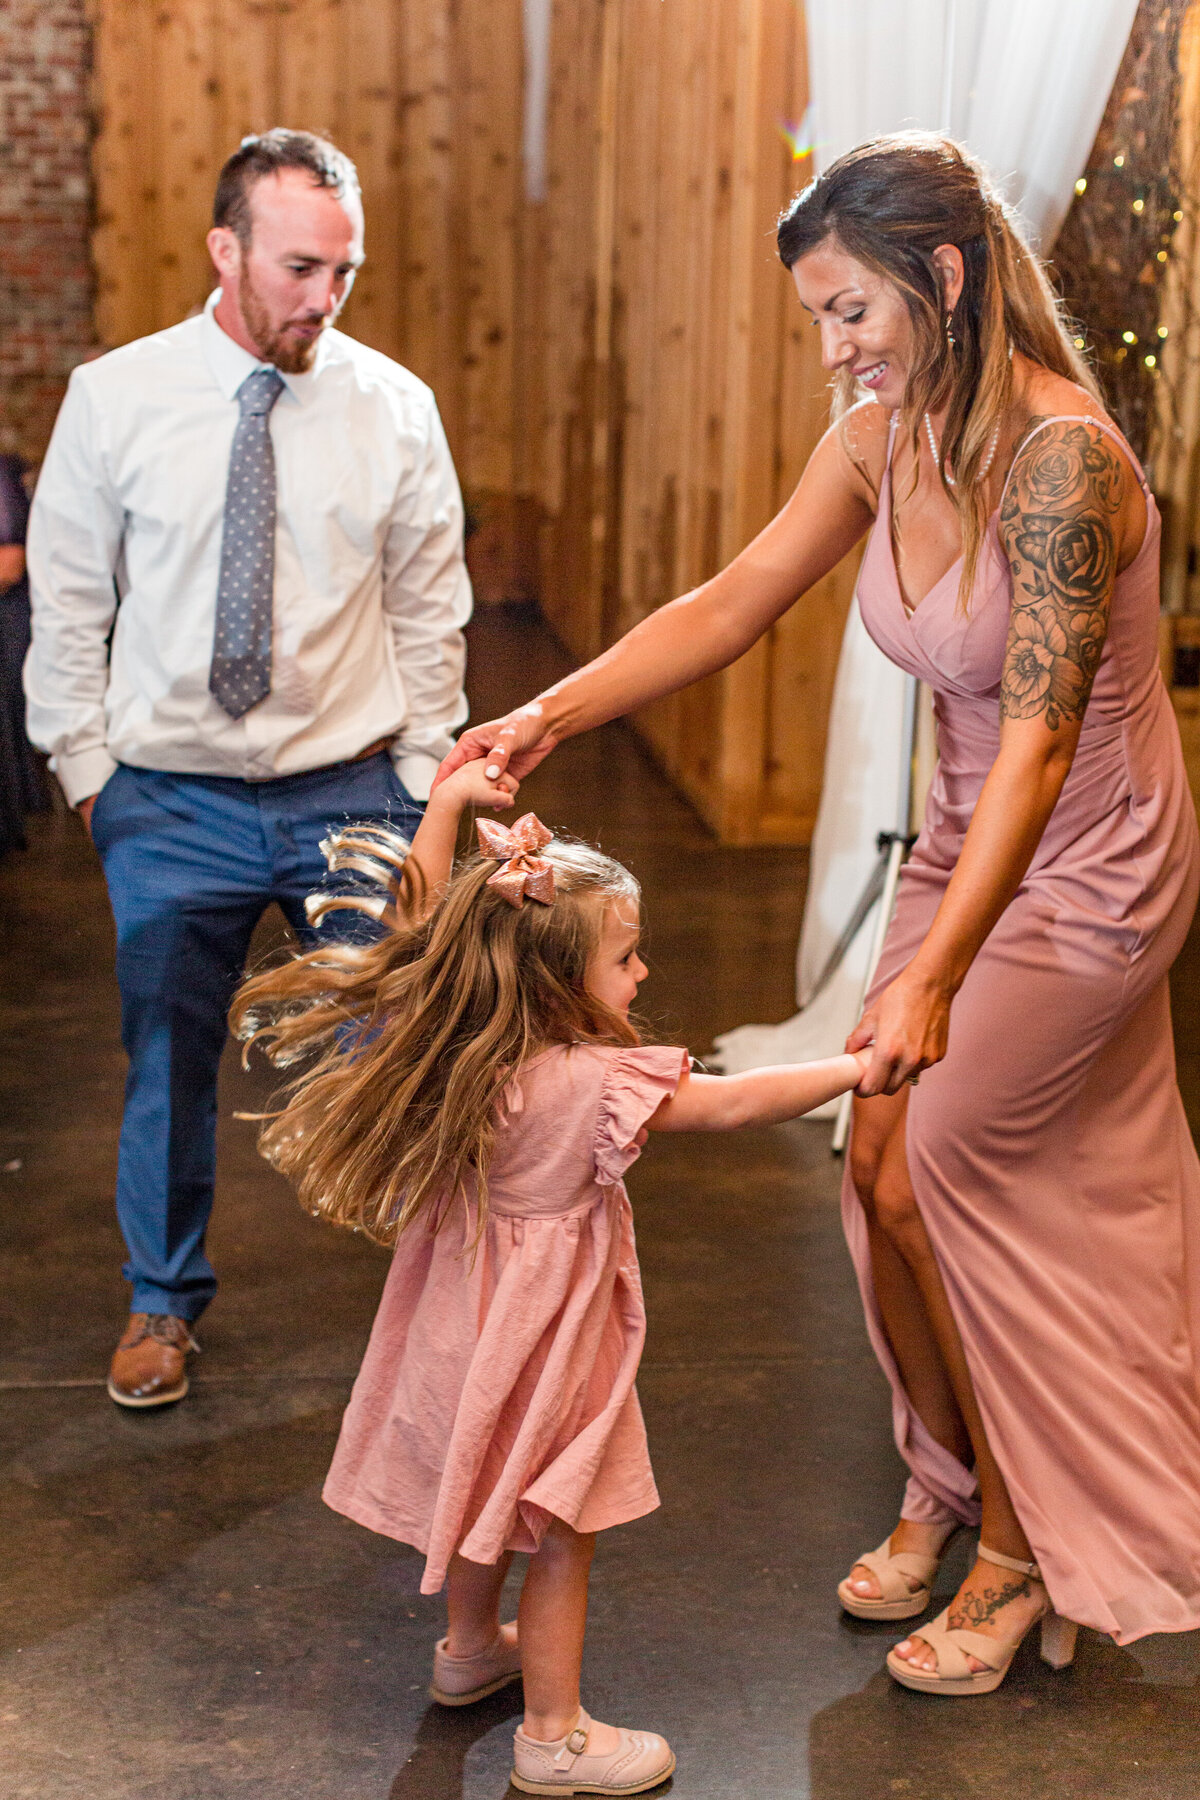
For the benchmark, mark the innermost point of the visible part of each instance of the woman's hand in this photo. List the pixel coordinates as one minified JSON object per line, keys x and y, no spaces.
{"x":906,"y":1031}
{"x":518,"y":741}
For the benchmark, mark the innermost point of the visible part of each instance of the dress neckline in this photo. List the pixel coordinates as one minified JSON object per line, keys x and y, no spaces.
{"x":885,"y":513}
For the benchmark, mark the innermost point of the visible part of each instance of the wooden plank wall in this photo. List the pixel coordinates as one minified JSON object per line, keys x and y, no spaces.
{"x":425,"y":95}
{"x":625,"y":380}
{"x":684,"y":393}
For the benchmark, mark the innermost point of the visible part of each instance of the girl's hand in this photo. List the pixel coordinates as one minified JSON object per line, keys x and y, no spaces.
{"x":518,"y":741}
{"x":431,"y":853}
{"x":471,"y":786}
{"x":906,"y":1031}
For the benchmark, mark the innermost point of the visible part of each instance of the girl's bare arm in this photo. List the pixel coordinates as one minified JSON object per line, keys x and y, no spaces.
{"x":431,"y":854}
{"x":757,"y":1096}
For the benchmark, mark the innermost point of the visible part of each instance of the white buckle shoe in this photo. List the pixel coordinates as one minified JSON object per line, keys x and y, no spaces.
{"x":641,"y":1760}
{"x":460,"y":1680}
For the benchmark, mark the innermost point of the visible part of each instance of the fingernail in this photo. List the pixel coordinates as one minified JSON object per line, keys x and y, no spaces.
{"x":492,"y":771}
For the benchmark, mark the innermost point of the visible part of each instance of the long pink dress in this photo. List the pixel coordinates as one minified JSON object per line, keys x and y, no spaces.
{"x":498,"y":1393}
{"x":1049,"y":1151}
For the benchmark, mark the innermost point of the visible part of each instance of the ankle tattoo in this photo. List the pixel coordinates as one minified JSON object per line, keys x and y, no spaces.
{"x":975,"y":1609}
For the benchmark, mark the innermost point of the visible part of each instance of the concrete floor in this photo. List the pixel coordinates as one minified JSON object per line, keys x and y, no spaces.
{"x":182,"y":1619}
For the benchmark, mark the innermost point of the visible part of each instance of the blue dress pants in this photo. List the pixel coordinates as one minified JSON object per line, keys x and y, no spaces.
{"x":192,"y":862}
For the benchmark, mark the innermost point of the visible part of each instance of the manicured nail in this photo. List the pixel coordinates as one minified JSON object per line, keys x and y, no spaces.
{"x":492,"y":771}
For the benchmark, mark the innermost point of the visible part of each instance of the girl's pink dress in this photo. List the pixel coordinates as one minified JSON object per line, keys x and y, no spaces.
{"x":499,"y":1393}
{"x":1049,"y":1152}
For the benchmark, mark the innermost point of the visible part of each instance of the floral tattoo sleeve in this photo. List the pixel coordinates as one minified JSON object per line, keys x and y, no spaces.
{"x":1058,"y":529}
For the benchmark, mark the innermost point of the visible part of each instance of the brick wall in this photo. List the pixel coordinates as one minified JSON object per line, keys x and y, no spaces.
{"x":45,"y":212}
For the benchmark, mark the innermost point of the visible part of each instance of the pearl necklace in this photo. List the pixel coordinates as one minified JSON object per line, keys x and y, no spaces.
{"x":937,"y":461}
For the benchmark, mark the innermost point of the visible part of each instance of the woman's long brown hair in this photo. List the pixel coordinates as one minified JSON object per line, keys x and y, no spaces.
{"x":890,"y":204}
{"x":410,"y":1041}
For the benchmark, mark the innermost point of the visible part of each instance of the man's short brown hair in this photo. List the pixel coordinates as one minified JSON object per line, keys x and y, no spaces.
{"x":267,"y":154}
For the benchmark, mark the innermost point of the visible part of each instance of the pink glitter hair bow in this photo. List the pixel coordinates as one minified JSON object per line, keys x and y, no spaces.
{"x":524,"y":871}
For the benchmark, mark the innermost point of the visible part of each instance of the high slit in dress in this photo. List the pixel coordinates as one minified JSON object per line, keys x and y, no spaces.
{"x":1049,"y":1152}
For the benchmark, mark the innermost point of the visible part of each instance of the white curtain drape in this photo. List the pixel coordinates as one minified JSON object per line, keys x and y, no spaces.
{"x":535,"y":29}
{"x":1023,"y":83}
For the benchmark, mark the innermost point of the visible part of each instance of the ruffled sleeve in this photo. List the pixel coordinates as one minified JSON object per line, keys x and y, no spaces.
{"x":635,"y":1085}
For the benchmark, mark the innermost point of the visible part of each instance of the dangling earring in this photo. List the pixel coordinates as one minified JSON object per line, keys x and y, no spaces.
{"x":951,"y":340}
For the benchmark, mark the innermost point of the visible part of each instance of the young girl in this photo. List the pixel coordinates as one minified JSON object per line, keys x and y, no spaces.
{"x":474,"y":1095}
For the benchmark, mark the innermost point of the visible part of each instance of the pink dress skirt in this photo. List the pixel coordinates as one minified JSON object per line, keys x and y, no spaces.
{"x":1049,"y":1152}
{"x":498,"y":1393}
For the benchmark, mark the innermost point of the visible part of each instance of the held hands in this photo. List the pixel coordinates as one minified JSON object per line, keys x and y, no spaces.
{"x":433,"y":845}
{"x":470,"y":785}
{"x":904,"y":1032}
{"x":520,"y":740}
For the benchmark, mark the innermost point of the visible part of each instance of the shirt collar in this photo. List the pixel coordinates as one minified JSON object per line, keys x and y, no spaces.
{"x":230,"y":364}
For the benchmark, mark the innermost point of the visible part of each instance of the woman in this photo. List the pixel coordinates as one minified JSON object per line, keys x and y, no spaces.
{"x":1021,"y":1221}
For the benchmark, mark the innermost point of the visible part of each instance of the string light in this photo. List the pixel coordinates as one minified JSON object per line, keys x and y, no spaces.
{"x":1135,"y":206}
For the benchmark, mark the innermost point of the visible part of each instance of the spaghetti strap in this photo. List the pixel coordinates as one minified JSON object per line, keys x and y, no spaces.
{"x":893,"y":427}
{"x":1077,"y":419}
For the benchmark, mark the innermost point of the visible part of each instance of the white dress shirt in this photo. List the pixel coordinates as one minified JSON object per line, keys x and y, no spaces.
{"x":371,"y":591}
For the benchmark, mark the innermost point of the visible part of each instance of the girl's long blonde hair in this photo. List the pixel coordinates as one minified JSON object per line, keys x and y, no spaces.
{"x":410,"y":1041}
{"x":890,"y":203}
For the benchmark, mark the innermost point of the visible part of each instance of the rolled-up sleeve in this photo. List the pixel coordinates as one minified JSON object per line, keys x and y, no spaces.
{"x":75,"y":533}
{"x":427,"y":600}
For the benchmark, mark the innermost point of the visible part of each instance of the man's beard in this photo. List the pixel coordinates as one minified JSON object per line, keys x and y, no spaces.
{"x":292,"y":356}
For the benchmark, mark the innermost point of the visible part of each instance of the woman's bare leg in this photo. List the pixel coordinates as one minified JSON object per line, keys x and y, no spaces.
{"x":907,"y":1327}
{"x":991,"y":1600}
{"x":474,"y":1606}
{"x":906,"y":1321}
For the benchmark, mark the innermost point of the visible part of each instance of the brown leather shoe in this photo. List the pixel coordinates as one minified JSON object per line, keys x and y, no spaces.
{"x":149,"y":1365}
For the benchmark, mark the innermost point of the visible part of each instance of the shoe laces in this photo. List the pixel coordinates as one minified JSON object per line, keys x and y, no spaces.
{"x":165,"y":1328}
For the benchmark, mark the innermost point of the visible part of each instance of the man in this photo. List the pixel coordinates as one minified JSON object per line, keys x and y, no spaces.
{"x":269,"y":511}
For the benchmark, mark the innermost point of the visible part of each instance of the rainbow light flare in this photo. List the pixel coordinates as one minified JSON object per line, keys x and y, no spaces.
{"x":799,"y":138}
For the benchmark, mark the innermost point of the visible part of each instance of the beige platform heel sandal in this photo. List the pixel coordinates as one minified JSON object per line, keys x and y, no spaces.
{"x":897,"y":1600}
{"x":953,"y":1645}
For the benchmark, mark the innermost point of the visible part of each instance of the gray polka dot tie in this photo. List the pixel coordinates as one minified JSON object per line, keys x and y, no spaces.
{"x":241,"y":666}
